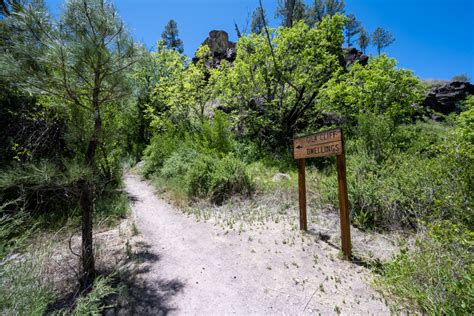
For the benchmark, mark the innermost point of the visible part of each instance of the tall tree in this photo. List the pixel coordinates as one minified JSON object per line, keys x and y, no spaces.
{"x":364,"y":40}
{"x":321,"y":8}
{"x":290,"y":11}
{"x":170,"y":36}
{"x":382,"y":38}
{"x":258,"y":20}
{"x":81,"y":59}
{"x":352,"y":28}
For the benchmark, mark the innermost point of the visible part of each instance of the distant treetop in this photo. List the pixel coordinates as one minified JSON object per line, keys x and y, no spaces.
{"x":170,"y":36}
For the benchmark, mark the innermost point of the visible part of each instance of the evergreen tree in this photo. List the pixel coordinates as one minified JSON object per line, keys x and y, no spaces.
{"x":352,"y":28}
{"x":82,"y":60}
{"x":364,"y":39}
{"x":321,"y":8}
{"x":258,"y":20}
{"x":170,"y":36}
{"x":382,"y":38}
{"x":290,"y":11}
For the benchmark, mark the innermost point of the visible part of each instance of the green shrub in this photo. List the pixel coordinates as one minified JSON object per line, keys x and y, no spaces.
{"x":199,"y":176}
{"x":437,"y":274}
{"x":22,"y":290}
{"x":177,"y":165}
{"x":94,"y":302}
{"x":229,"y":177}
{"x":161,"y":147}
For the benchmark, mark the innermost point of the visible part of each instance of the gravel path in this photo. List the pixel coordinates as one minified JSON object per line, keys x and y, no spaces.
{"x":201,"y":268}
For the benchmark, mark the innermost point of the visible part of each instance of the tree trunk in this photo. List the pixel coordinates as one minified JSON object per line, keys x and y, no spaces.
{"x":87,"y":197}
{"x":87,"y":254}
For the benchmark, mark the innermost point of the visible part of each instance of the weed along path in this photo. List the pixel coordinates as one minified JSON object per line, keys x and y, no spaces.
{"x":264,"y":268}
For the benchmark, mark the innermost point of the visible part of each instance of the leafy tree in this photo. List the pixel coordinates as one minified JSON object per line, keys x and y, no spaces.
{"x":364,"y":40}
{"x":352,"y":28}
{"x":378,"y":88}
{"x":382,"y":38}
{"x":272,"y":88}
{"x":183,"y":95}
{"x":258,"y":20}
{"x":322,"y":8}
{"x":81,"y":59}
{"x":290,"y":11}
{"x":170,"y":36}
{"x":462,"y":78}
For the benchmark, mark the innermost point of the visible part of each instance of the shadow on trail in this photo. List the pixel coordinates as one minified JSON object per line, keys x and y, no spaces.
{"x":140,"y":295}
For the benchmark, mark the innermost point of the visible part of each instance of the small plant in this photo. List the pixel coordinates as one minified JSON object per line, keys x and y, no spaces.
{"x":437,"y":274}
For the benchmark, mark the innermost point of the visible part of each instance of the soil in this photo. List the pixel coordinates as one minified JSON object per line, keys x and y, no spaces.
{"x":199,"y":262}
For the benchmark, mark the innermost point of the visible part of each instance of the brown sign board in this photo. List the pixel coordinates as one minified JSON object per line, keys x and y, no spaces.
{"x":322,"y":144}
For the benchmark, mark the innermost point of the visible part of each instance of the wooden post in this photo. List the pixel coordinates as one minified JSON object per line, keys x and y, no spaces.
{"x":302,"y":194}
{"x":344,"y":206}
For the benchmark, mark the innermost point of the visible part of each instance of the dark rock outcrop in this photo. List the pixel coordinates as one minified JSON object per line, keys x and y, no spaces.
{"x":352,"y":55}
{"x":445,"y":96}
{"x":221,"y":48}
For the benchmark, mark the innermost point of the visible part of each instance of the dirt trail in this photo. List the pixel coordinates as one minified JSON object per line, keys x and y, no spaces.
{"x":203,"y":269}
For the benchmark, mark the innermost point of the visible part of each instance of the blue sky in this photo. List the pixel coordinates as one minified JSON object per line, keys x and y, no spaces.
{"x":434,"y":38}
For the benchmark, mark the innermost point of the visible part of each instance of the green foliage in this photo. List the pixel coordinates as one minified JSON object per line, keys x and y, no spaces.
{"x":291,"y":11}
{"x":378,"y":88}
{"x":22,"y":290}
{"x":437,"y":274}
{"x":272,"y":90}
{"x":170,"y":36}
{"x":93,"y":302}
{"x":230,"y":177}
{"x":364,"y":40}
{"x":161,"y":147}
{"x":352,"y":28}
{"x":401,"y":175}
{"x":258,"y":20}
{"x":15,"y":229}
{"x":382,"y":38}
{"x":198,"y":179}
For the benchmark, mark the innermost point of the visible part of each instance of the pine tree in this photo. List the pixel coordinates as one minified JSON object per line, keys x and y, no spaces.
{"x":352,"y":28}
{"x":364,"y":40}
{"x":382,"y":38}
{"x":258,"y":22}
{"x":290,"y":11}
{"x":81,"y":59}
{"x":321,"y":8}
{"x":170,"y":36}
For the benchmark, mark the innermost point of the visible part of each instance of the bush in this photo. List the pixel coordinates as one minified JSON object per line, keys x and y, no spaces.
{"x":22,"y":291}
{"x":399,"y":175}
{"x":161,"y":147}
{"x":437,"y":274}
{"x":177,"y":165}
{"x":229,"y":177}
{"x":199,"y":176}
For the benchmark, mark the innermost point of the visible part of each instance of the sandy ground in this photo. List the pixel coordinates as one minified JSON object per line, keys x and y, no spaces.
{"x":202,"y":267}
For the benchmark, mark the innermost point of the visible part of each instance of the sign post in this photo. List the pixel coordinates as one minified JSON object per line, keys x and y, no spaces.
{"x":323,"y":144}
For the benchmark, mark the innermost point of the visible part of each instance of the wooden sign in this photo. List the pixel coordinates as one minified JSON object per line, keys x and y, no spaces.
{"x":327,"y":143}
{"x":323,"y":144}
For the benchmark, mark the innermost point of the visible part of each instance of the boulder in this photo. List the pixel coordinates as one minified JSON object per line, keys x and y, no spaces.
{"x":220,"y":46}
{"x":445,"y":96}
{"x":352,"y":55}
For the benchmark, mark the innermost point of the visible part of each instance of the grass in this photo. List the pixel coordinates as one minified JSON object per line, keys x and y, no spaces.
{"x":22,"y":289}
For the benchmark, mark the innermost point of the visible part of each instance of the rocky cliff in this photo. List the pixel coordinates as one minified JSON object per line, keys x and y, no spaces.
{"x":445,"y":96}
